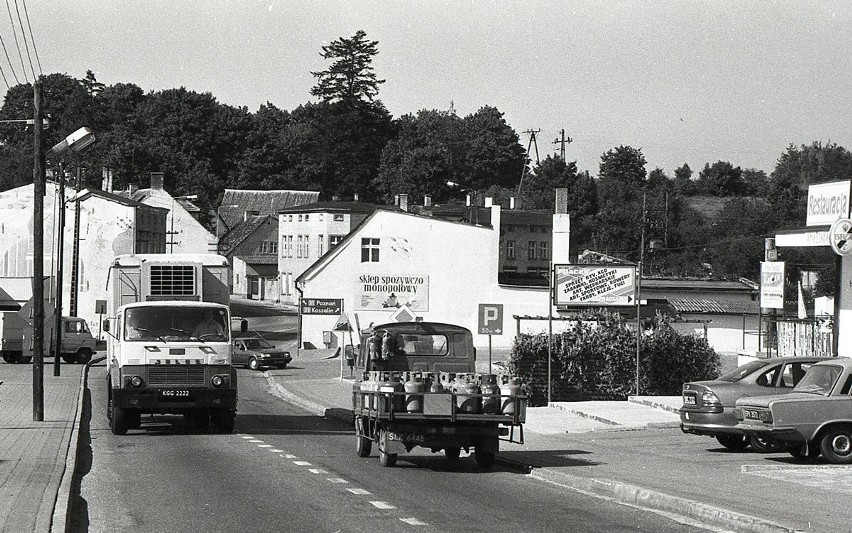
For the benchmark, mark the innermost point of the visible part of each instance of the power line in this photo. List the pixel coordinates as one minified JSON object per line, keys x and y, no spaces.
{"x":11,"y":67}
{"x":24,"y":35}
{"x":17,"y":44}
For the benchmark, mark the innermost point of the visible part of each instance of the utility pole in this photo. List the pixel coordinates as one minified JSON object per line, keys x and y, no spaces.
{"x":75,"y":252}
{"x":562,"y":140}
{"x":60,"y":246}
{"x":532,"y":142}
{"x":38,"y":258}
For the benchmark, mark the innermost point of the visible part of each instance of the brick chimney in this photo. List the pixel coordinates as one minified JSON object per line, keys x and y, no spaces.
{"x":106,"y":179}
{"x":427,"y":200}
{"x":355,"y":197}
{"x":403,"y":202}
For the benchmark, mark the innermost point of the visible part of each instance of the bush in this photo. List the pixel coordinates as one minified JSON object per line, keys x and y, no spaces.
{"x":596,"y":359}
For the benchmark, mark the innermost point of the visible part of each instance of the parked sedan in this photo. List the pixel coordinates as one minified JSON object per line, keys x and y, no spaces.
{"x":815,"y":419}
{"x":256,"y":353}
{"x":708,"y":406}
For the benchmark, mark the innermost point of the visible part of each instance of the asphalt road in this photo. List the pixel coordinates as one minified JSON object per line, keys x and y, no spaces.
{"x":287,"y":470}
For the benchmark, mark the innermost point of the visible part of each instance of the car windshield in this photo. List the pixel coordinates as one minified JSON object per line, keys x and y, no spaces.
{"x":819,"y":379}
{"x":257,"y":344}
{"x":169,"y":323}
{"x":742,"y":371}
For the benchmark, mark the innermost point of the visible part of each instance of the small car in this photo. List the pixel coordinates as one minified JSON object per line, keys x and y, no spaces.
{"x":816,"y":418}
{"x":256,"y":353}
{"x":708,"y":406}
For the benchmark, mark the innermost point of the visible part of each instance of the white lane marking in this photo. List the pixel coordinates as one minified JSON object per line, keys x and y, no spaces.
{"x":264,"y":446}
{"x":276,"y":450}
{"x":359,"y":492}
{"x":414,"y":521}
{"x":382,"y":505}
{"x":336,"y":480}
{"x":317,"y":471}
{"x":302,"y":463}
{"x":288,"y":456}
{"x":255,"y":441}
{"x":246,"y":437}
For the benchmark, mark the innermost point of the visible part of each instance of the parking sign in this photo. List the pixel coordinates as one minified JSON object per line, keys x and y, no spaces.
{"x":490,"y":319}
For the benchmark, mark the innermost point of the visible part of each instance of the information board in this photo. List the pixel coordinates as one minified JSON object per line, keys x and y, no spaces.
{"x":772,"y":284}
{"x":594,"y":285}
{"x":322,"y":306}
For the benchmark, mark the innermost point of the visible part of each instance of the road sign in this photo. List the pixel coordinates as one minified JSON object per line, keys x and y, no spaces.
{"x":772,"y":284}
{"x":840,"y":236}
{"x":322,"y":306}
{"x":100,"y":307}
{"x":490,"y":319}
{"x":594,"y":285}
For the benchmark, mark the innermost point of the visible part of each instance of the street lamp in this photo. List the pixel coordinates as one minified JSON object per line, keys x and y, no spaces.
{"x":172,"y":212}
{"x":474,"y":213}
{"x":75,"y":142}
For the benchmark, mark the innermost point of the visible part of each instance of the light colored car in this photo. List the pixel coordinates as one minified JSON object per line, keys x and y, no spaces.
{"x":816,"y":418}
{"x":256,"y":353}
{"x":708,"y":406}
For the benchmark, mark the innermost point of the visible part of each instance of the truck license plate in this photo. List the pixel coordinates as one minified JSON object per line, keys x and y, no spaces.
{"x":751,"y":414}
{"x":175,"y":395}
{"x":405,"y":437}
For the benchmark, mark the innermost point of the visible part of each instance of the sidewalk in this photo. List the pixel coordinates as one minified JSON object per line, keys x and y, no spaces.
{"x":35,"y":463}
{"x":581,"y":445}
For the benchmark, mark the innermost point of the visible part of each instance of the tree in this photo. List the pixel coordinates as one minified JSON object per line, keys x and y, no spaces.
{"x":657,"y":179}
{"x":350,"y":77}
{"x":756,"y":182}
{"x":742,"y":226}
{"x":493,"y":154}
{"x":683,"y":183}
{"x":721,"y":179}
{"x":621,"y":180}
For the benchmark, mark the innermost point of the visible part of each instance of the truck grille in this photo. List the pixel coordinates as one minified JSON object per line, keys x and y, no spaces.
{"x":172,"y":376}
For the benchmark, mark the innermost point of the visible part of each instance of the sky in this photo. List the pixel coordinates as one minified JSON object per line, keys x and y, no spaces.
{"x":690,"y":82}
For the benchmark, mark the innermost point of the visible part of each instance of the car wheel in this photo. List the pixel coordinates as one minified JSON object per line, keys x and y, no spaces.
{"x":761,"y":445}
{"x":84,"y":355}
{"x":733,"y":442}
{"x":9,"y":358}
{"x":253,"y":364}
{"x":68,"y":359}
{"x":836,"y":445}
{"x":387,"y":459}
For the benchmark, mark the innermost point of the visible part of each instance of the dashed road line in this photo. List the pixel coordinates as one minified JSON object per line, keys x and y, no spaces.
{"x":338,"y":480}
{"x":288,"y":456}
{"x":276,"y":450}
{"x":264,"y":446}
{"x":359,"y":492}
{"x":382,"y":505}
{"x":302,"y":463}
{"x":317,"y":471}
{"x":411,"y":521}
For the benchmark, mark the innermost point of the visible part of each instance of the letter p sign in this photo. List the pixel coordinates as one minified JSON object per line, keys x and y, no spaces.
{"x":490,"y":319}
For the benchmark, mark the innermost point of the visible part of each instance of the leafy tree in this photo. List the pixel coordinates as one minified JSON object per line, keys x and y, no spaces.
{"x":657,"y":179}
{"x":721,"y":179}
{"x":625,"y":164}
{"x":742,"y":226}
{"x":756,"y":182}
{"x":350,"y":77}
{"x":493,"y":154}
{"x":683,"y":183}
{"x":620,"y":184}
{"x":264,"y":164}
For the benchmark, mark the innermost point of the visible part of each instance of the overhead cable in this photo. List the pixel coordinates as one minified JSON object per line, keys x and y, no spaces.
{"x":32,"y":39}
{"x":11,"y":67}
{"x":17,"y":44}
{"x":24,"y":35}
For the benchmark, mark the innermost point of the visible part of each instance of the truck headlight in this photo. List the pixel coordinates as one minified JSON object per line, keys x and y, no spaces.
{"x":137,"y":381}
{"x":217,"y":381}
{"x":765,"y":416}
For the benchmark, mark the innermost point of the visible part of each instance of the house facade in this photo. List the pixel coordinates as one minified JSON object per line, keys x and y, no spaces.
{"x":252,"y":249}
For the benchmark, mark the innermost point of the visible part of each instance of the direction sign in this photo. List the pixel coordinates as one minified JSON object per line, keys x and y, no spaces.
{"x":840,"y":236}
{"x":490,"y":319}
{"x":322,"y":306}
{"x":594,"y":285}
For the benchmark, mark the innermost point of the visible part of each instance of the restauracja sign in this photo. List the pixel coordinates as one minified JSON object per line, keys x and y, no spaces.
{"x":827,"y":202}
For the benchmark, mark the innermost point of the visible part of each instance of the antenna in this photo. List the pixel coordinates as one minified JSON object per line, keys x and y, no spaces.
{"x":562,"y":141}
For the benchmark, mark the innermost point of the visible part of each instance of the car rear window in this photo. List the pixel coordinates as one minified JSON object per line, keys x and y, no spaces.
{"x":742,"y":371}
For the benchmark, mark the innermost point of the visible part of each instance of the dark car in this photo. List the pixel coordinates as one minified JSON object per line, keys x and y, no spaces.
{"x":708,"y":406}
{"x":256,"y":353}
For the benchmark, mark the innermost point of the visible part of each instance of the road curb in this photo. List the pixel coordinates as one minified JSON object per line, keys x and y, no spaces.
{"x":62,"y":505}
{"x":652,"y":500}
{"x":581,"y":414}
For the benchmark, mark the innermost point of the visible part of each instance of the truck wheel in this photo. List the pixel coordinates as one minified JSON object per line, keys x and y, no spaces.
{"x":68,"y":358}
{"x":134,"y":420}
{"x":23,"y":359}
{"x":84,"y":355}
{"x":363,"y":446}
{"x":453,"y":453}
{"x":253,"y":364}
{"x":387,"y":459}
{"x":734,"y":443}
{"x":484,"y":459}
{"x":836,"y":445}
{"x":118,"y":421}
{"x":223,"y":420}
{"x":9,"y":358}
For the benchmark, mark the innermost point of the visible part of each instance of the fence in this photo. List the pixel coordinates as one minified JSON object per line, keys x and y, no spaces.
{"x":805,"y":337}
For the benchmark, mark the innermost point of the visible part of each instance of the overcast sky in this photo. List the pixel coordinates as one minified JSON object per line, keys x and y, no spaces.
{"x":687,"y":82}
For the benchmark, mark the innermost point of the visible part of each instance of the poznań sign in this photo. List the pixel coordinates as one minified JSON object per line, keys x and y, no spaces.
{"x":594,"y":285}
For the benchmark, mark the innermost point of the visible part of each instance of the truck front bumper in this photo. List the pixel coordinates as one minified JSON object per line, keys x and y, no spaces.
{"x":176,"y":400}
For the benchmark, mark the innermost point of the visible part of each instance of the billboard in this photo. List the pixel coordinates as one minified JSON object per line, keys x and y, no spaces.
{"x":594,"y":285}
{"x":390,"y":291}
{"x":772,"y":284}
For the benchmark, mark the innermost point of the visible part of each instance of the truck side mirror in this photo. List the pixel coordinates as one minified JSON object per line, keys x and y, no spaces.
{"x":243,"y":325}
{"x":106,"y":325}
{"x":349,"y":353}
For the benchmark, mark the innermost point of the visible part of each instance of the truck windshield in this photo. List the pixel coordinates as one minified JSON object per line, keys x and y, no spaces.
{"x":421,"y":344}
{"x":175,"y":324}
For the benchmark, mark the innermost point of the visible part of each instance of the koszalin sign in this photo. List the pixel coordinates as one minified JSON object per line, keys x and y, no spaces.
{"x":840,"y":236}
{"x":594,"y":285}
{"x":772,"y":284}
{"x":827,"y":202}
{"x":322,"y":306}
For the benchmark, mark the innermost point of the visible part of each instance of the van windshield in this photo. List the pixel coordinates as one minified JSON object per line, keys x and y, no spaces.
{"x":176,"y":324}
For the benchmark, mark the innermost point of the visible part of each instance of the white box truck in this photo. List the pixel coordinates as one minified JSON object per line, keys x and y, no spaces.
{"x":169,"y":340}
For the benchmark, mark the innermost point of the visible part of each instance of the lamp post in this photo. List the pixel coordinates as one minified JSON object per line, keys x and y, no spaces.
{"x":75,"y":142}
{"x":172,"y":212}
{"x":474,"y":214}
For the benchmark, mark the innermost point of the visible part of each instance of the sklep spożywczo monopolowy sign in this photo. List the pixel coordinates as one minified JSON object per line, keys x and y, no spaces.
{"x":377,"y":292}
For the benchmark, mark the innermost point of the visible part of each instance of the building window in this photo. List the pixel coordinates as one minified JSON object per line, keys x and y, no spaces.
{"x":273,"y":247}
{"x":369,"y":250}
{"x":306,"y":217}
{"x":289,"y":218}
{"x":334,"y":240}
{"x":544,"y":250}
{"x":532,"y":246}
{"x":338,"y":217}
{"x":299,"y":246}
{"x":283,"y":246}
{"x":300,"y":218}
{"x":321,"y":217}
{"x":532,"y":229}
{"x":320,"y":239}
{"x":264,"y":247}
{"x":510,"y":249}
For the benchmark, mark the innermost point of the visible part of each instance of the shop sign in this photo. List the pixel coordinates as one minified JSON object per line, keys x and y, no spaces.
{"x":594,"y":285}
{"x":391,"y":291}
{"x":840,"y":236}
{"x":827,"y":202}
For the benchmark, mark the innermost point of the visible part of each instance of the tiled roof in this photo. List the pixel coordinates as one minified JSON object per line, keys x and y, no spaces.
{"x":331,"y":206}
{"x":235,"y":203}
{"x":727,"y":306}
{"x":229,"y":242}
{"x":699,"y":285}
